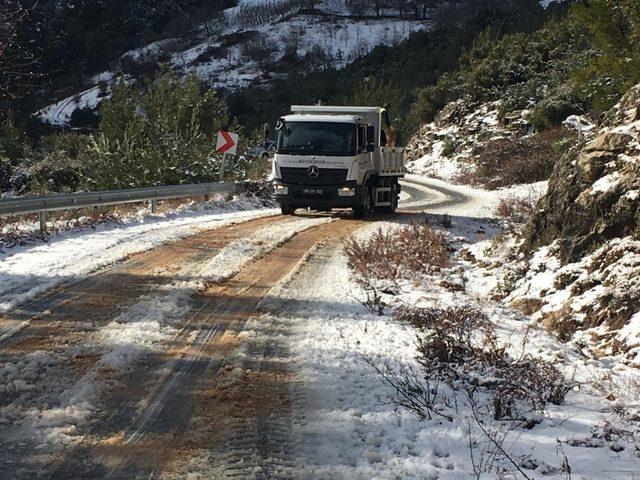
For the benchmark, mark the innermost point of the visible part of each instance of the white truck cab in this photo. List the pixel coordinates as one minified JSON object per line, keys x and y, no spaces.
{"x":333,"y":157}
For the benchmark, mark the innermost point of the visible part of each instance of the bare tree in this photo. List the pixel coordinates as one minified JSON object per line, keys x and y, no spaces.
{"x":262,"y":51}
{"x":15,"y":60}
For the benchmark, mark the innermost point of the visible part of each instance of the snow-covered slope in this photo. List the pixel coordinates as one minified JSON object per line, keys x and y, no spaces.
{"x":217,"y":51}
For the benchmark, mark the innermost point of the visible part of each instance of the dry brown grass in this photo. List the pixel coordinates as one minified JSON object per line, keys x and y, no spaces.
{"x":410,"y":250}
{"x":516,"y":210}
{"x":509,"y":161}
{"x":561,"y":322}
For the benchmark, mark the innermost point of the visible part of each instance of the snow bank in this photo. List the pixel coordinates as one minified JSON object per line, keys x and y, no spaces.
{"x":346,"y":429}
{"x":26,"y":272}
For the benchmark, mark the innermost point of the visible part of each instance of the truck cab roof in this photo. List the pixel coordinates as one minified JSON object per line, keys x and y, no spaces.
{"x":322,"y":118}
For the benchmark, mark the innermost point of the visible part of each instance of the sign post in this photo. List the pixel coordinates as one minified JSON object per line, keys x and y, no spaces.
{"x":227,"y":145}
{"x":222,"y":167}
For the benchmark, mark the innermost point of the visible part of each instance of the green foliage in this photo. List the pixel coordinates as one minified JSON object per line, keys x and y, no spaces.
{"x":449,"y":147}
{"x":63,"y":164}
{"x":519,"y":69}
{"x":555,"y":107}
{"x":613,"y":31}
{"x":161,"y":135}
{"x":14,"y":145}
{"x":159,"y":132}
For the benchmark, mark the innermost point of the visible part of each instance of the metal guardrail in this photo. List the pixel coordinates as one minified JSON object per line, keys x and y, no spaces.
{"x":42,"y":204}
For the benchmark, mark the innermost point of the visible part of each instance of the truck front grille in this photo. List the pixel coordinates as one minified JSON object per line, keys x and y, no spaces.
{"x":326,"y":176}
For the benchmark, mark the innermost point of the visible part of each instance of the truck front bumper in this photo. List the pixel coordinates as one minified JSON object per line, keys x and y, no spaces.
{"x":317,"y":197}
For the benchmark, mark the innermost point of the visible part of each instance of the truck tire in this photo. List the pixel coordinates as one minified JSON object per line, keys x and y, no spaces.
{"x":287,"y":209}
{"x":364,"y":209}
{"x":393,"y":198}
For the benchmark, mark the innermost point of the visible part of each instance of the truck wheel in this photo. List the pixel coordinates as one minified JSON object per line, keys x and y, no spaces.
{"x":287,"y":209}
{"x":364,"y":209}
{"x":393,"y":199}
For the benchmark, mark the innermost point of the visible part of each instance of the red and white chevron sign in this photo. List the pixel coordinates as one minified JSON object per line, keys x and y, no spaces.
{"x":227,"y":143}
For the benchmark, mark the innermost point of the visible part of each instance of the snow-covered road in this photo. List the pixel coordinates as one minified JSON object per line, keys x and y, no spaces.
{"x":233,"y":345}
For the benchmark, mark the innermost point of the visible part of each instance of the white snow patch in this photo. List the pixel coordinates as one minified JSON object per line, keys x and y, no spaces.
{"x":349,"y":432}
{"x":28,"y":271}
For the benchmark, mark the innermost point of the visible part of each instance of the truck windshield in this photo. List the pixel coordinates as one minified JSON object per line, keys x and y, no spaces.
{"x":317,"y":138}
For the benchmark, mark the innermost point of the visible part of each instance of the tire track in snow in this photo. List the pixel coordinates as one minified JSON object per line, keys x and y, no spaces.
{"x":65,"y":334}
{"x":194,"y":414}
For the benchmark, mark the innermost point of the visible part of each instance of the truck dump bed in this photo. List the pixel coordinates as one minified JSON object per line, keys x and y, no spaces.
{"x":389,"y":162}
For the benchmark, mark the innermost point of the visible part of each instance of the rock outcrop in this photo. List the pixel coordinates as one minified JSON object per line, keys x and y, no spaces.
{"x":594,"y":191}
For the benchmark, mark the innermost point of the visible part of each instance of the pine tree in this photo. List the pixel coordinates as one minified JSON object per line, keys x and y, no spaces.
{"x":613,"y":29}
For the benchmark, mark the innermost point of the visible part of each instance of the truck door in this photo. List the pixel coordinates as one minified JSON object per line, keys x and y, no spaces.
{"x":363,"y":160}
{"x":362,"y":139}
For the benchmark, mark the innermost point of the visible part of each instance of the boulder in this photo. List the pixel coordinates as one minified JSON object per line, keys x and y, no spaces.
{"x":591,"y":165}
{"x":575,"y":214}
{"x":609,"y":142}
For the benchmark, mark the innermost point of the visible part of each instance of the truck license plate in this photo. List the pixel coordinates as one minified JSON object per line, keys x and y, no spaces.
{"x":313,"y":191}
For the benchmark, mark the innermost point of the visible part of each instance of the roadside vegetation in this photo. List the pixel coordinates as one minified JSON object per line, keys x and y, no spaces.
{"x":387,"y":257}
{"x":547,"y":64}
{"x":463,"y":373}
{"x":159,"y":132}
{"x":502,"y":162}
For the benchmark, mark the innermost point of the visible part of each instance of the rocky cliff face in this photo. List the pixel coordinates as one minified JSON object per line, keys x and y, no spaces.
{"x":582,"y":278}
{"x":594,"y":191}
{"x":448,"y":147}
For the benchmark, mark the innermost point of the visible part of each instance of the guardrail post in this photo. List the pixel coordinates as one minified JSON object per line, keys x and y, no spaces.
{"x":154,"y":206}
{"x":43,"y":222}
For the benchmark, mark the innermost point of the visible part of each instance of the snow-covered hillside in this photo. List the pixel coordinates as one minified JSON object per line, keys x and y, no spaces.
{"x":251,"y":43}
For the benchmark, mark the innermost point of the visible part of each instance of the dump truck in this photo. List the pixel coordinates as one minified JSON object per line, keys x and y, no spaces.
{"x":336,"y":157}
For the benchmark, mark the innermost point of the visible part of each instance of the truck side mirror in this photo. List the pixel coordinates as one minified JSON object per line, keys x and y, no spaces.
{"x":371,"y":135}
{"x":371,"y":148}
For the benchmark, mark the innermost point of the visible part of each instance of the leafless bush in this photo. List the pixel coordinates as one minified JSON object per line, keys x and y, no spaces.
{"x":373,"y":301}
{"x":508,"y":161}
{"x":413,"y":390}
{"x":491,"y":454}
{"x":458,"y":347}
{"x":464,"y":374}
{"x":516,"y":210}
{"x":412,"y":249}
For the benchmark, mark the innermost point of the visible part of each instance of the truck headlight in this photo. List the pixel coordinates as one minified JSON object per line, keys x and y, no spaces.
{"x":279,"y":189}
{"x":346,"y":192}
